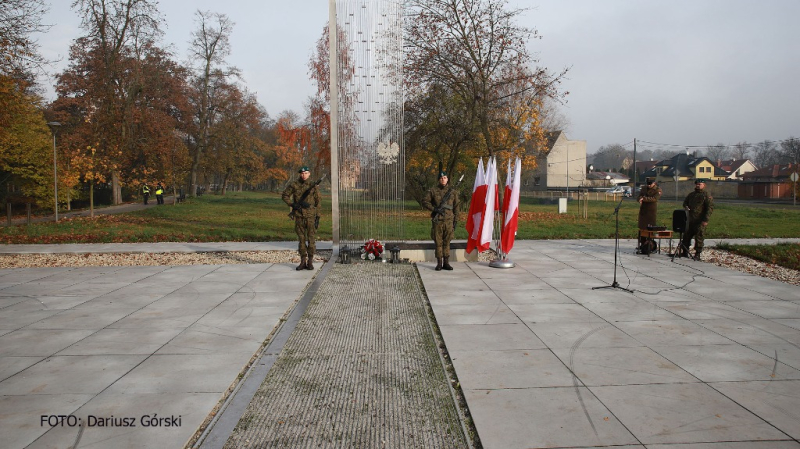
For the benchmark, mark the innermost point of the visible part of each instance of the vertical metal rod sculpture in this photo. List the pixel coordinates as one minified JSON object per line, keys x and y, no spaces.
{"x":334,"y":112}
{"x":367,"y":120}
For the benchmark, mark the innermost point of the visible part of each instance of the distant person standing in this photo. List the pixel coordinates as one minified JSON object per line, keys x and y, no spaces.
{"x":159,"y":193}
{"x":303,"y":198}
{"x":648,"y":209}
{"x":145,"y":193}
{"x":699,"y":205}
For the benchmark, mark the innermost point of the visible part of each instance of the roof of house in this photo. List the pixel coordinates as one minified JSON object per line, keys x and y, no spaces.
{"x":732,"y":165}
{"x":685,"y":164}
{"x":777,"y":171}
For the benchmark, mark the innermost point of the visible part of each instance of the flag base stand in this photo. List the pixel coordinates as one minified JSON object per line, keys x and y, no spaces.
{"x":505,"y":263}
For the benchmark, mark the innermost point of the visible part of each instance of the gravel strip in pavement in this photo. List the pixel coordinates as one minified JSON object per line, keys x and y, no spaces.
{"x":710,"y":255}
{"x":149,"y":259}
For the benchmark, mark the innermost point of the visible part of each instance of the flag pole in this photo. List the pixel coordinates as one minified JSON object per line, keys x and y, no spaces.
{"x":502,"y":261}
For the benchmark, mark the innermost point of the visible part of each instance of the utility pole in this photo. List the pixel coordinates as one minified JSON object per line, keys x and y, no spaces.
{"x":635,"y":172}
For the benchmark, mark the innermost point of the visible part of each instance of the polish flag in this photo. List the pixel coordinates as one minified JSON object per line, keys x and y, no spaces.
{"x":510,"y":208}
{"x":476,"y":207}
{"x":487,"y":227}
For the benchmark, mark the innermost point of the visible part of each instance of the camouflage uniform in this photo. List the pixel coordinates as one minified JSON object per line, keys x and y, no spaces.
{"x":443,"y":224}
{"x":304,"y":217}
{"x":699,"y":205}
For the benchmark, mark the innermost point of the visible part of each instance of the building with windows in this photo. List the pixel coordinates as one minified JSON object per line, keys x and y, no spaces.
{"x":686,"y":167}
{"x":562,"y":166}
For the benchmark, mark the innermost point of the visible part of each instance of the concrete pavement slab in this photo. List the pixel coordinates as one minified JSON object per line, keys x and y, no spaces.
{"x":479,"y":337}
{"x":621,"y":366}
{"x":683,"y":413}
{"x":775,"y":400}
{"x":716,"y":363}
{"x":674,"y":332}
{"x":546,"y":295}
{"x":70,"y":375}
{"x":545,"y":417}
{"x":588,"y":335}
{"x":39,"y":342}
{"x":142,"y":341}
{"x":731,"y":445}
{"x":510,"y":369}
{"x":20,"y":416}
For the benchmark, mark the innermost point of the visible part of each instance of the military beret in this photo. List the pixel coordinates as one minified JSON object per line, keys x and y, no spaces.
{"x":650,"y":180}
{"x":302,"y":169}
{"x":442,"y":174}
{"x":699,"y":181}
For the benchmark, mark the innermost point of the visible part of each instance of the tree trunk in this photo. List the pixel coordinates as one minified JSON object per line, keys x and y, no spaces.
{"x":116,"y":188}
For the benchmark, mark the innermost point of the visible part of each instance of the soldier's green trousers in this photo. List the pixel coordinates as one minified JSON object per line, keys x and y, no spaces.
{"x":442,"y":233}
{"x":696,"y":230}
{"x":306,"y":236}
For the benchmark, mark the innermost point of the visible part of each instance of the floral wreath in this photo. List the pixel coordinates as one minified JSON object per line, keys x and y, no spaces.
{"x":372,"y":249}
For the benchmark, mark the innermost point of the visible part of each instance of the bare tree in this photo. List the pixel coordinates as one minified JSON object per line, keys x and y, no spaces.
{"x":19,"y":19}
{"x":790,"y":150}
{"x":717,"y":152}
{"x":741,"y":150}
{"x":612,"y":157}
{"x":209,"y":47}
{"x":766,"y":154}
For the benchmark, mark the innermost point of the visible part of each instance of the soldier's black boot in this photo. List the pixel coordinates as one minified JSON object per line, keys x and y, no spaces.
{"x":438,"y":264}
{"x":697,"y":252}
{"x":446,"y":264}
{"x":302,"y":265}
{"x":309,"y":266}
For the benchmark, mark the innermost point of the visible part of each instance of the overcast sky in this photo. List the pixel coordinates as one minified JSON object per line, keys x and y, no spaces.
{"x":680,"y":72}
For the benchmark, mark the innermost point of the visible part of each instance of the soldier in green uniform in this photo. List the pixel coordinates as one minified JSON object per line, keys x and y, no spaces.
{"x":303,"y":198}
{"x":699,"y":205}
{"x":648,"y":211}
{"x":442,"y":200}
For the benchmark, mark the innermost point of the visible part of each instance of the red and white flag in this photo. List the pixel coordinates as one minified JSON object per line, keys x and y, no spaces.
{"x":476,"y":208}
{"x":487,"y":226}
{"x":510,"y":208}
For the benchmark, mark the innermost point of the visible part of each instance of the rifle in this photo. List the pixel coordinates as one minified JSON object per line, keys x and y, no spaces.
{"x":301,"y":203}
{"x":439,"y":211}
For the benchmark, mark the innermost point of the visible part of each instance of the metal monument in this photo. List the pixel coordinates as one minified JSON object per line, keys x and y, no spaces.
{"x":367,"y":155}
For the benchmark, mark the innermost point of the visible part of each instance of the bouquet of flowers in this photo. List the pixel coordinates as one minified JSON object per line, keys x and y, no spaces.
{"x":372,"y":249}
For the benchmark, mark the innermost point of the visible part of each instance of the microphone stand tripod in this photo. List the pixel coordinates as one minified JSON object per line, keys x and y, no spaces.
{"x":615,"y":284}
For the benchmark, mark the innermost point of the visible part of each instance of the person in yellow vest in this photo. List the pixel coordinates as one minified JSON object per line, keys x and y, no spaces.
{"x":145,"y":193}
{"x":159,"y":193}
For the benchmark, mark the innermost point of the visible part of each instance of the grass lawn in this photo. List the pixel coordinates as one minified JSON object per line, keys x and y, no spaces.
{"x":258,"y":216}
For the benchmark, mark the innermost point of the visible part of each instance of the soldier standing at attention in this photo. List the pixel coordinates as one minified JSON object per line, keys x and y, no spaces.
{"x":442,"y":200}
{"x":698,"y":205}
{"x":303,"y":198}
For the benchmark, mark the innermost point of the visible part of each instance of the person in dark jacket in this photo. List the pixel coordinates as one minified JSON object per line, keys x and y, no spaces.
{"x":648,"y":209}
{"x":445,"y":208}
{"x":699,"y":205}
{"x":303,"y":198}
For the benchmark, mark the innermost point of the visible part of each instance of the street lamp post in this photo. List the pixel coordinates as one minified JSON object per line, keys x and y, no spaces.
{"x":53,"y":126}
